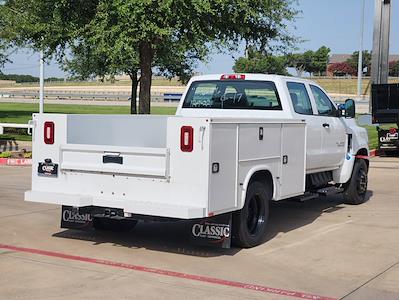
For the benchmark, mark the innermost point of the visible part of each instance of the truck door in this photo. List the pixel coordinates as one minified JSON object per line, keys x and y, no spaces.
{"x":304,"y":110}
{"x":333,"y":130}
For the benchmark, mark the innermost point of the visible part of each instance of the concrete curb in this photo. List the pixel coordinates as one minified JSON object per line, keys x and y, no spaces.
{"x":373,"y":153}
{"x":15,"y":162}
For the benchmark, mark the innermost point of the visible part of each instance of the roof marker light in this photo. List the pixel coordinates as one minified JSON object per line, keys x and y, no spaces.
{"x":232,"y":77}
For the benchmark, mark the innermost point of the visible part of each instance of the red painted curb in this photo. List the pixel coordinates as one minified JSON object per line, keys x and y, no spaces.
{"x":15,"y":162}
{"x":373,"y":153}
{"x":246,"y":286}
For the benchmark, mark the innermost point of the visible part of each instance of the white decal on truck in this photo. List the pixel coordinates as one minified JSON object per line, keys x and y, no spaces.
{"x":71,"y":216}
{"x":209,"y":230}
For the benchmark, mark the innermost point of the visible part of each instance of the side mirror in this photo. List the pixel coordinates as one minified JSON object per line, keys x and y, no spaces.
{"x":350,"y":108}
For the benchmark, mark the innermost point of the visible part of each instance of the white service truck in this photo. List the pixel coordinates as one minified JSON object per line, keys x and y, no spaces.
{"x":237,"y":142}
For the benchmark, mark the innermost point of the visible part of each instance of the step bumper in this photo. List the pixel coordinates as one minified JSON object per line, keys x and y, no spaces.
{"x":130,"y":206}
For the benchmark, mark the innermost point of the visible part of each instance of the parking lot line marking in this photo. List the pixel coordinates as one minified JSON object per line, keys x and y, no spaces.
{"x":217,"y":281}
{"x":371,"y":279}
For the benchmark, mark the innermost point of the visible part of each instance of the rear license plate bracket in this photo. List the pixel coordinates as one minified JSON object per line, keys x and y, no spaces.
{"x":48,"y":169}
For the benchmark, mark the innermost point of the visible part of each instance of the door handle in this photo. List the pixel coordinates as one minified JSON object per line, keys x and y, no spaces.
{"x":113,"y":159}
{"x":326,"y":125}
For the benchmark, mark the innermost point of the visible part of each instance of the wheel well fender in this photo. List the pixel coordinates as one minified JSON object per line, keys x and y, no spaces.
{"x":261,"y":173}
{"x":363,"y":153}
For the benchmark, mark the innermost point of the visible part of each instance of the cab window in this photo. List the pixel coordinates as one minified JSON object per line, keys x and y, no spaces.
{"x":233,"y":94}
{"x":300,"y":98}
{"x":323,"y":103}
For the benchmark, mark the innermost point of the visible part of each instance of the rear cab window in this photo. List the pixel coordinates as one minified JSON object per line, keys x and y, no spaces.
{"x":233,"y":94}
{"x":300,"y":98}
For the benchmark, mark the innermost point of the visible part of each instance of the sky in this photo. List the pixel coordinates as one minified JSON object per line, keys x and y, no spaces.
{"x":333,"y":23}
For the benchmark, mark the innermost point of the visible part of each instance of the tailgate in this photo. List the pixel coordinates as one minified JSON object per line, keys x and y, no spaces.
{"x":103,"y":144}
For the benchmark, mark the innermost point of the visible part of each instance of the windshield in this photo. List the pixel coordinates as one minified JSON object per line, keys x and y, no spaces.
{"x":233,"y":94}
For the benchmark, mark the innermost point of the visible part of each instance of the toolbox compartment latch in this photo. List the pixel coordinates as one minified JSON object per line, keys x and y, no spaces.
{"x":113,"y":159}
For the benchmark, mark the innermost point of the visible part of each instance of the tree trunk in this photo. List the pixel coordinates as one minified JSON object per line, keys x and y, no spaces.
{"x":146,"y":77}
{"x":133,"y":96}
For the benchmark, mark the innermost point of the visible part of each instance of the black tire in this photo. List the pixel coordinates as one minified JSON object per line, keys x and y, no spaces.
{"x":115,"y":225}
{"x":249,"y":223}
{"x":356,"y":189}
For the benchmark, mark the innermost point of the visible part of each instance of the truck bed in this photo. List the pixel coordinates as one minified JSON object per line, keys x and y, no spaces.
{"x":141,"y":164}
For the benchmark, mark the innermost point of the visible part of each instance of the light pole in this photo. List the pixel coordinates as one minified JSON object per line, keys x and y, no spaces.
{"x":41,"y":92}
{"x":360,"y":62}
{"x":380,"y":53}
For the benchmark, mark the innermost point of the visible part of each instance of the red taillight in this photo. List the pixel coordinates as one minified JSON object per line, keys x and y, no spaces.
{"x":187,"y":139}
{"x":392,"y":130}
{"x":49,"y":128}
{"x":232,"y":77}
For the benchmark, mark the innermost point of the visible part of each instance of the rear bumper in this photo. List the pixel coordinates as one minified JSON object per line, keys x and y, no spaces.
{"x":389,"y":147}
{"x":129,"y":206}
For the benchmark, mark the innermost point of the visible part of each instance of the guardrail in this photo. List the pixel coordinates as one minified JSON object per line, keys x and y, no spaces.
{"x":12,"y":125}
{"x":169,"y":97}
{"x":82,"y":95}
{"x":156,"y":96}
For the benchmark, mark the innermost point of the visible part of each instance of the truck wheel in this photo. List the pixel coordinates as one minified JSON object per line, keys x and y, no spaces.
{"x":249,"y":224}
{"x":115,"y":225}
{"x":356,"y":188}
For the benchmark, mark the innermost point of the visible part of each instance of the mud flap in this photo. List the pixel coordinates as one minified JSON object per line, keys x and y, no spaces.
{"x":214,"y":231}
{"x":76,"y":218}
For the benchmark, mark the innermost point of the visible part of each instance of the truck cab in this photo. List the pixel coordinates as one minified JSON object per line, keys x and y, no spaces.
{"x":328,"y":131}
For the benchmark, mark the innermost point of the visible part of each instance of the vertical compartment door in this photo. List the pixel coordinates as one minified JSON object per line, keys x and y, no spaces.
{"x":293,"y":150}
{"x":223,"y":168}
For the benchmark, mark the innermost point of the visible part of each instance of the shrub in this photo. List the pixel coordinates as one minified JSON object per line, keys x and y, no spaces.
{"x":6,"y":154}
{"x":394,"y":68}
{"x":342,"y":69}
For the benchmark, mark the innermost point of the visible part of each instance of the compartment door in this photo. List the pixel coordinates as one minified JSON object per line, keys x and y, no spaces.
{"x":149,"y":162}
{"x":293,"y":151}
{"x":223,"y":168}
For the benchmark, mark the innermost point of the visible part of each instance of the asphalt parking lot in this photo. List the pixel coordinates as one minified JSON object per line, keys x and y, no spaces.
{"x":320,"y":249}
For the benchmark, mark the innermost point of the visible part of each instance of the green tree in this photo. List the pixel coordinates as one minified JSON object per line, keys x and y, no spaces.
{"x":257,"y":62}
{"x":89,"y":61}
{"x":104,"y":59}
{"x":296,"y":61}
{"x":320,"y":60}
{"x":308,"y":58}
{"x":310,"y":61}
{"x":302,"y":62}
{"x":151,"y":27}
{"x":353,"y":61}
{"x":3,"y":57}
{"x":45,"y":24}
{"x":154,"y":26}
{"x":3,"y":45}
